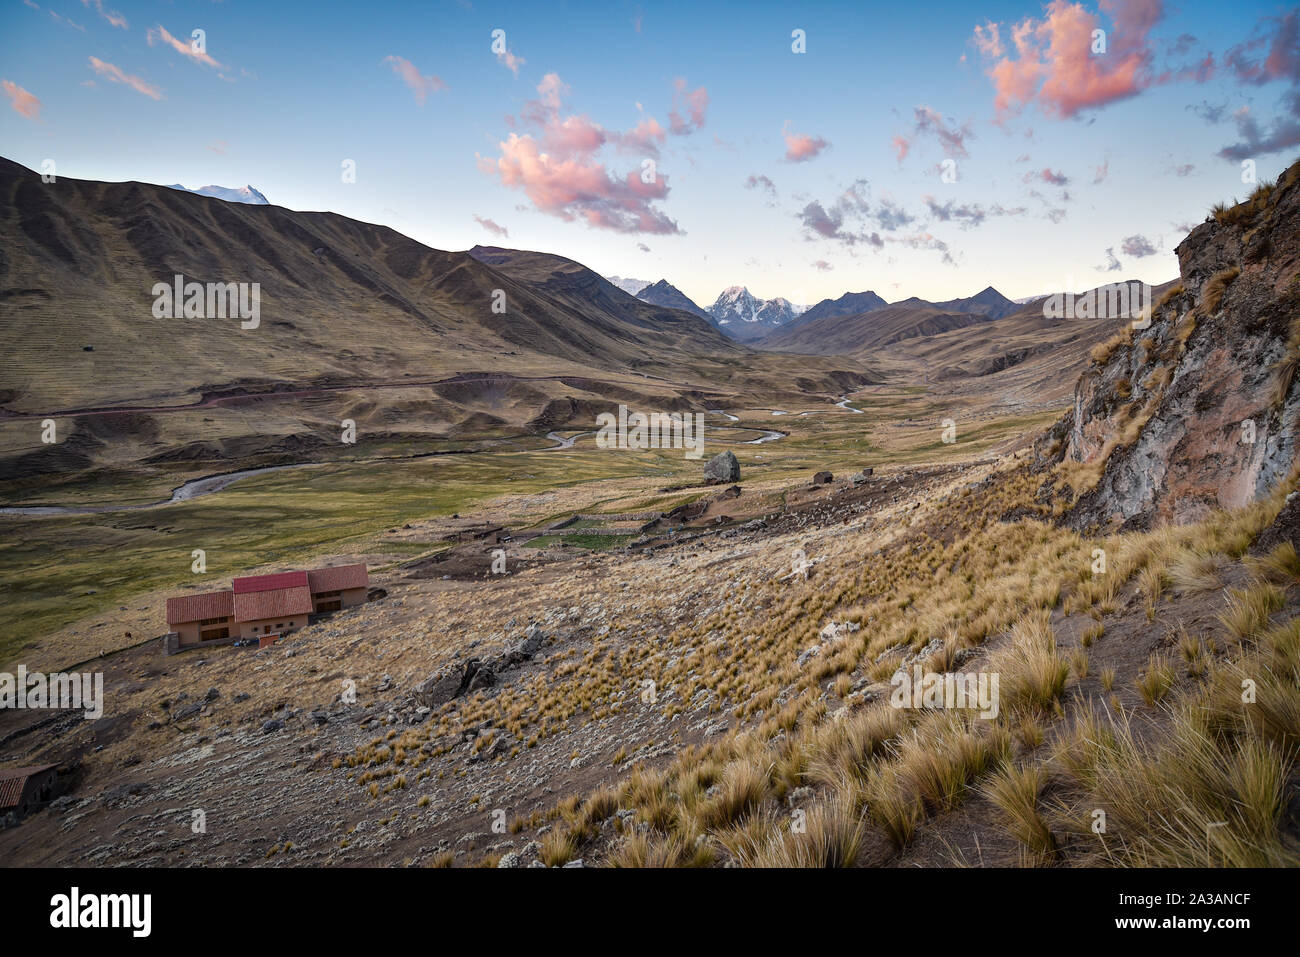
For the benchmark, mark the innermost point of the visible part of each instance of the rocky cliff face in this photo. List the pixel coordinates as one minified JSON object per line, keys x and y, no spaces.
{"x":1199,"y":410}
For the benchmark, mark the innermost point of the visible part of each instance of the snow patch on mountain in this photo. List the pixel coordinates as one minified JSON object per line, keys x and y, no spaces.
{"x":628,"y":285}
{"x":244,"y":194}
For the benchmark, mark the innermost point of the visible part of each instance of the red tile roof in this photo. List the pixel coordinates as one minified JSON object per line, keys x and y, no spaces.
{"x":278,"y":603}
{"x":209,"y":604}
{"x":337,"y":578}
{"x":256,"y":583}
{"x":13,"y":780}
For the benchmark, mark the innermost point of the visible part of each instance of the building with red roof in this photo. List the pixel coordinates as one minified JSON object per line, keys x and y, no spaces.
{"x":263,"y":606}
{"x":26,"y":788}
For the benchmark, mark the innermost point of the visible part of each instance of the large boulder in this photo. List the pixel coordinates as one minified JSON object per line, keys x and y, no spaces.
{"x":722,"y":469}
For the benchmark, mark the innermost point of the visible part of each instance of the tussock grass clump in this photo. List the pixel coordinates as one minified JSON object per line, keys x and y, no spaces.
{"x":895,"y":811}
{"x":846,"y":749}
{"x":1262,"y":198}
{"x":1285,"y":369}
{"x":827,"y":834}
{"x":745,"y":783}
{"x":559,"y":845}
{"x":1281,"y":566}
{"x":1032,"y":674}
{"x":1194,"y":571}
{"x":1260,"y":694}
{"x":938,"y":762}
{"x":1194,"y":800}
{"x":1154,"y":682}
{"x":1248,"y":609}
{"x":1212,"y":294}
{"x":1101,"y":353}
{"x":1015,"y":791}
{"x":673,"y":850}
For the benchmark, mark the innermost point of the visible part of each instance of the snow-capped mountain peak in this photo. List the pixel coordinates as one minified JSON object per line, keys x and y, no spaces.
{"x":630,"y":286}
{"x":243,"y":194}
{"x":736,"y":304}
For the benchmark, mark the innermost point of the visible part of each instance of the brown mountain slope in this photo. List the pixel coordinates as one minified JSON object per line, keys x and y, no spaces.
{"x":864,"y":333}
{"x":357,"y":323}
{"x":340,"y":300}
{"x":1022,"y":352}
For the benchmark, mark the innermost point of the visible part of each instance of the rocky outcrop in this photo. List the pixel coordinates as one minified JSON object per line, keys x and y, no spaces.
{"x":1197,"y":411}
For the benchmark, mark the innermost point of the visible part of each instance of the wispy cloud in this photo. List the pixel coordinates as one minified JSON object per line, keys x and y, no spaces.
{"x":506,"y":57}
{"x":930,"y":123}
{"x":421,"y":86}
{"x":1047,"y":175}
{"x":24,"y":103}
{"x":693,"y":102}
{"x":492,"y":227}
{"x":159,"y":34}
{"x":58,"y":18}
{"x":116,"y":75}
{"x":968,"y":215}
{"x":112,"y":16}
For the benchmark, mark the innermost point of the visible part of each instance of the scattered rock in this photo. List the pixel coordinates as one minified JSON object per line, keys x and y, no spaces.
{"x":722,"y":468}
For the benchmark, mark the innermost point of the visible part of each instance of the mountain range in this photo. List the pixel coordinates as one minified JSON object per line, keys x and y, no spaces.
{"x":746,"y":318}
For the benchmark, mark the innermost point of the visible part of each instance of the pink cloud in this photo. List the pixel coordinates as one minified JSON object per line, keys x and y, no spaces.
{"x":1049,"y":176}
{"x":555,"y":164}
{"x":1282,"y":61}
{"x":116,"y":75}
{"x":646,"y":137}
{"x":160,"y":34}
{"x":62,"y":19}
{"x":112,"y":16}
{"x":511,"y":62}
{"x":421,"y":86}
{"x":800,"y":147}
{"x":988,"y":40}
{"x":695,"y":102}
{"x":1053,"y":64}
{"x":25,"y":103}
{"x":901,"y":144}
{"x":552,"y":91}
{"x":492,"y":227}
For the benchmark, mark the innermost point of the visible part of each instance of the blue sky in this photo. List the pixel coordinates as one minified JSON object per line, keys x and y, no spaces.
{"x":1089,"y":171}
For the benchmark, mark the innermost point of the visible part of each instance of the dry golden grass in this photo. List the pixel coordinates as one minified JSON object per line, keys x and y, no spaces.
{"x":1212,"y":294}
{"x":1032,"y":672}
{"x":1281,"y":566}
{"x":1191,"y":800}
{"x":1015,"y":791}
{"x":1155,"y":680}
{"x":826,"y":834}
{"x":1247,"y":610}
